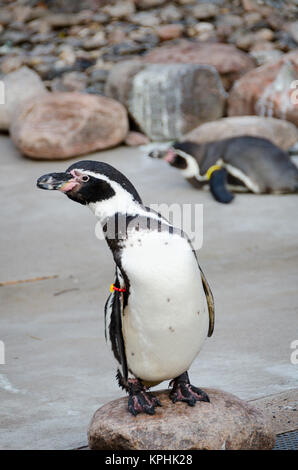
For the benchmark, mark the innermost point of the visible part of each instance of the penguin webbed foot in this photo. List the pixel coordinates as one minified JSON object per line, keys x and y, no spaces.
{"x":183,"y":391}
{"x":140,"y":400}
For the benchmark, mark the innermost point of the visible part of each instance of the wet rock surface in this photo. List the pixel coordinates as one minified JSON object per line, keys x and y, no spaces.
{"x":225,"y":423}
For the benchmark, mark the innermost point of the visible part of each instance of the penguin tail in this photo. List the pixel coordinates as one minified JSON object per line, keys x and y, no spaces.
{"x":218,"y":186}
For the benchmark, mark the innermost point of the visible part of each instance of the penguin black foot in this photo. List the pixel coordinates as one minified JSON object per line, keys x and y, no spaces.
{"x":183,"y":391}
{"x":140,"y":400}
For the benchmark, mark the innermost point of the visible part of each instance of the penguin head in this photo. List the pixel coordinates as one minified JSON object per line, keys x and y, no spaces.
{"x":93,"y":184}
{"x":170,"y":156}
{"x":179,"y":155}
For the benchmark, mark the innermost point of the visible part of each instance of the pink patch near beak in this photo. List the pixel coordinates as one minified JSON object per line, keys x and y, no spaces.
{"x":68,"y":186}
{"x":170,"y":156}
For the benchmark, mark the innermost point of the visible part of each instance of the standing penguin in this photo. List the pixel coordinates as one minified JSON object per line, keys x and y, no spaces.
{"x":243,"y":163}
{"x":161,"y":308}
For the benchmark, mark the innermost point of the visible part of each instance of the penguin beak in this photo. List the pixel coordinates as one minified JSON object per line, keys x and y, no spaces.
{"x":61,"y":181}
{"x":157,"y":153}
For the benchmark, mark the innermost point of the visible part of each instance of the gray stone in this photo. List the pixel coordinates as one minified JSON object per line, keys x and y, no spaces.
{"x":170,"y":13}
{"x":101,"y":18}
{"x":226,"y":423}
{"x":6,"y":16}
{"x":120,"y":9}
{"x":94,"y":42}
{"x":145,"y":18}
{"x":204,"y":11}
{"x":292,"y":28}
{"x":61,"y":20}
{"x":14,"y":37}
{"x":98,"y":75}
{"x":11,"y":63}
{"x":144,"y":4}
{"x":128,"y":47}
{"x":118,"y":85}
{"x":168,"y":100}
{"x":71,"y":81}
{"x":263,"y":56}
{"x":19,"y":86}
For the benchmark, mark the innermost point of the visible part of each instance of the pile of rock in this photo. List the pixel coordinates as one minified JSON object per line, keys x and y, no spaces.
{"x":172,"y":65}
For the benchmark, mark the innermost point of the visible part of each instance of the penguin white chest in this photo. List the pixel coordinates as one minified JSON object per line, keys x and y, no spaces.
{"x":166,"y":320}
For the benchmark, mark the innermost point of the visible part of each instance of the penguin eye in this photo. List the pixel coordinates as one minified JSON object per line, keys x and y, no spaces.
{"x":85,"y":178}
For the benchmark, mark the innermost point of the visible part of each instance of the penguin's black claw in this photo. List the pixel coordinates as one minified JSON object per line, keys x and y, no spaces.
{"x":140,"y":400}
{"x":183,"y":391}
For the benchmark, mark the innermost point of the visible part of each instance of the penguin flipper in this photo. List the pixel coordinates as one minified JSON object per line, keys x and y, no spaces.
{"x":115,"y":333}
{"x":208,"y":294}
{"x":210,"y":302}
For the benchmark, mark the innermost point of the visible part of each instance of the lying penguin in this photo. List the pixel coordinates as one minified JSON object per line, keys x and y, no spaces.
{"x":161,"y":308}
{"x":236,"y":164}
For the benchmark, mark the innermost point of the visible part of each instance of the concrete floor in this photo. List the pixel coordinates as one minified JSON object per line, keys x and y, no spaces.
{"x":58,"y":370}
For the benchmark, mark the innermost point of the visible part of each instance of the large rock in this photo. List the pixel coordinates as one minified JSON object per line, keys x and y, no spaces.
{"x":134,"y":139}
{"x":119,"y":82}
{"x":19,"y":86}
{"x":225,"y":423}
{"x":63,"y":125}
{"x":281,"y":133}
{"x":267,"y":91}
{"x":167,"y":100}
{"x":226,"y":58}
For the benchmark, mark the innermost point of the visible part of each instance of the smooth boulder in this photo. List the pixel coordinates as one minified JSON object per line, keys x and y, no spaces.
{"x":63,"y":125}
{"x":165,"y":101}
{"x":20,"y":85}
{"x":281,"y":133}
{"x":168,"y":100}
{"x":225,"y":423}
{"x":268,"y":90}
{"x":119,"y":81}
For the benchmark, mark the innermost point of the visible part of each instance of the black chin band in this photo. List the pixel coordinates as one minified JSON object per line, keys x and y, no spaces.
{"x":218,"y":186}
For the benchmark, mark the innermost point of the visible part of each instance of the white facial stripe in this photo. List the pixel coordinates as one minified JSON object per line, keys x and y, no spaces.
{"x":121,"y":202}
{"x":192,"y":169}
